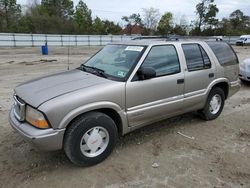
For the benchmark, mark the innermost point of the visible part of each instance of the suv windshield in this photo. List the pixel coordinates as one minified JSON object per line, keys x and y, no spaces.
{"x":243,"y":39}
{"x":115,"y":61}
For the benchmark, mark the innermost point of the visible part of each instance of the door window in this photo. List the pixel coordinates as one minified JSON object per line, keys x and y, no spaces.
{"x":196,"y":57}
{"x":163,"y":59}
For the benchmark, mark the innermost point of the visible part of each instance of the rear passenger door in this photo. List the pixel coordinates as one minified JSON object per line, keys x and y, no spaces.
{"x":199,"y":73}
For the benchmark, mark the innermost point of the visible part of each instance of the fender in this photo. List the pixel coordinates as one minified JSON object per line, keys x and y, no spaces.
{"x":94,"y":106}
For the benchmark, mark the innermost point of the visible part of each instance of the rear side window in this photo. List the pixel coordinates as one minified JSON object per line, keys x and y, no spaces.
{"x":196,"y":57}
{"x":224,"y":53}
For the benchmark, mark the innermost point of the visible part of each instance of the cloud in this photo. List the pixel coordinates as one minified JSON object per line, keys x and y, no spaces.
{"x":115,"y":9}
{"x":226,"y":7}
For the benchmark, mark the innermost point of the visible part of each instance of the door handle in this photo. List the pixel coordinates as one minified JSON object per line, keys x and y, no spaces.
{"x":180,"y":81}
{"x":211,"y":75}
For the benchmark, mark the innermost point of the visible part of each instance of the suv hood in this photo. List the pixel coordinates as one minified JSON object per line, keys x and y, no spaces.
{"x":38,"y":91}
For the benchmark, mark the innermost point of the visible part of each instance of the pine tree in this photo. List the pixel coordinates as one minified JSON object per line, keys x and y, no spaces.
{"x":83,"y":17}
{"x":10,"y":13}
{"x":63,"y":9}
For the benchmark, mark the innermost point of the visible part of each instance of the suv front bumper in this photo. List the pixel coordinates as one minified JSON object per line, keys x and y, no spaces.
{"x":43,"y":139}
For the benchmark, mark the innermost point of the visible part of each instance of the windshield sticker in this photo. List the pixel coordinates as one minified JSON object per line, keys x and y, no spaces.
{"x":134,"y":48}
{"x":121,"y":74}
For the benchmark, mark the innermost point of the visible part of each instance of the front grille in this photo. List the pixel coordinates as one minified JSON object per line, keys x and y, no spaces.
{"x":19,"y":108}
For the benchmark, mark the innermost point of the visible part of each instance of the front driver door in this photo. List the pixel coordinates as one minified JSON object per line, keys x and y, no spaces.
{"x":153,"y":99}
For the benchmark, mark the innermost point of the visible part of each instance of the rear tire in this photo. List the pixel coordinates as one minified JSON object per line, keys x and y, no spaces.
{"x":214,"y":105}
{"x":90,"y":139}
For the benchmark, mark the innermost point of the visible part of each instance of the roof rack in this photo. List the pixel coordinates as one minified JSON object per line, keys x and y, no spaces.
{"x":168,"y":38}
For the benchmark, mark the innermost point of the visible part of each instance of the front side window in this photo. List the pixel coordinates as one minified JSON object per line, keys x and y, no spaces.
{"x":163,"y":59}
{"x":196,"y":57}
{"x":114,"y":61}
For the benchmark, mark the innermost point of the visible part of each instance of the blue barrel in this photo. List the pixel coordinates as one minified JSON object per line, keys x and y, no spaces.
{"x":45,"y":49}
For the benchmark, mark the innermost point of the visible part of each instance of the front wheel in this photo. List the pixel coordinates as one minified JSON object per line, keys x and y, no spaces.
{"x":214,"y":105}
{"x":90,"y":139}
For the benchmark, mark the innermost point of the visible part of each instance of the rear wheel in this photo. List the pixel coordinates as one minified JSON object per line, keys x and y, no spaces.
{"x":214,"y":104}
{"x":90,"y":139}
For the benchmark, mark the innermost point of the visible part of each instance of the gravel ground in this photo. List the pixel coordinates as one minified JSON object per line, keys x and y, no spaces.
{"x":155,"y":156}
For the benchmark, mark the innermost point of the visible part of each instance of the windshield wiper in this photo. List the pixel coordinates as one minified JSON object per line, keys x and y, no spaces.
{"x":93,"y":70}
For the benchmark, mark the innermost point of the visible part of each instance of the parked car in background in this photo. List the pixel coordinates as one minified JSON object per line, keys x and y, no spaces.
{"x":245,"y":70}
{"x":243,"y":40}
{"x":123,"y":87}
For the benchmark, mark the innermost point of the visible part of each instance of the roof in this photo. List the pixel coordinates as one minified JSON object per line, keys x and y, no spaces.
{"x":155,"y":42}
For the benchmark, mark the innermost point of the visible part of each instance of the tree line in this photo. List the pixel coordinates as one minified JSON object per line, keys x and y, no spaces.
{"x":62,"y":17}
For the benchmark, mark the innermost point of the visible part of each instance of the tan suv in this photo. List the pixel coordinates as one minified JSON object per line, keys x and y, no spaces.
{"x":123,"y":87}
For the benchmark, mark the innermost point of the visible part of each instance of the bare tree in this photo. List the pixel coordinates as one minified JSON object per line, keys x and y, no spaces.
{"x":151,"y":17}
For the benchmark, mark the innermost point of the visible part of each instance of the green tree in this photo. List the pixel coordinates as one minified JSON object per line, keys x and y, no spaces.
{"x":132,"y":21}
{"x":225,"y":27}
{"x":240,"y":23}
{"x":10,"y":13}
{"x":112,"y":28}
{"x":236,"y":24}
{"x":166,"y":24}
{"x":179,"y":30}
{"x":206,"y":11}
{"x":237,"y":19}
{"x":63,"y":9}
{"x":37,"y":20}
{"x":98,"y":26}
{"x":83,"y":18}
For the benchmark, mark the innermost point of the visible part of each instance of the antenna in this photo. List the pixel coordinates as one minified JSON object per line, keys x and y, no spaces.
{"x":68,"y":51}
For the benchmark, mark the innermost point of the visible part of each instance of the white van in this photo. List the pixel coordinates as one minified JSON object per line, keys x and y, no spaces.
{"x":243,"y":40}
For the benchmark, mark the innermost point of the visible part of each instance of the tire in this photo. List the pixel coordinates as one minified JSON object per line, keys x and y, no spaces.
{"x":214,"y":105}
{"x":90,"y":139}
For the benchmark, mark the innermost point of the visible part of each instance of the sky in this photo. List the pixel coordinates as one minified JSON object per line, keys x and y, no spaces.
{"x":114,"y":9}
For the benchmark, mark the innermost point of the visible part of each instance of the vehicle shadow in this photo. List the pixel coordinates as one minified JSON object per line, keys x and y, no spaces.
{"x":245,"y":83}
{"x":167,"y":126}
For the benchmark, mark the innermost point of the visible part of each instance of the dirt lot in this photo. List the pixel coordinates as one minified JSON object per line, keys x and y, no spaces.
{"x":219,"y":156}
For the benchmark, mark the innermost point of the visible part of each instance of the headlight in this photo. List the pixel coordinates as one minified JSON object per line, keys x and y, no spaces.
{"x":36,"y":118}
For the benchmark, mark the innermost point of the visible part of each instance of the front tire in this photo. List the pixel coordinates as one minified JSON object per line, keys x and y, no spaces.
{"x":214,"y":105}
{"x":90,"y":139}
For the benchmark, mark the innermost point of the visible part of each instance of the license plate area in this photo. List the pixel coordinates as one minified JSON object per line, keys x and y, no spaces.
{"x":19,"y":109}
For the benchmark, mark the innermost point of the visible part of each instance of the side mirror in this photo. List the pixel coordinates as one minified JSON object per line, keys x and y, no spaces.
{"x":146,"y":73}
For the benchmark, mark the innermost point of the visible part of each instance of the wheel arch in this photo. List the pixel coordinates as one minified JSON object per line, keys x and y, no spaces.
{"x":222,"y":83}
{"x":110,"y":109}
{"x":114,"y":116}
{"x":224,"y":86}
